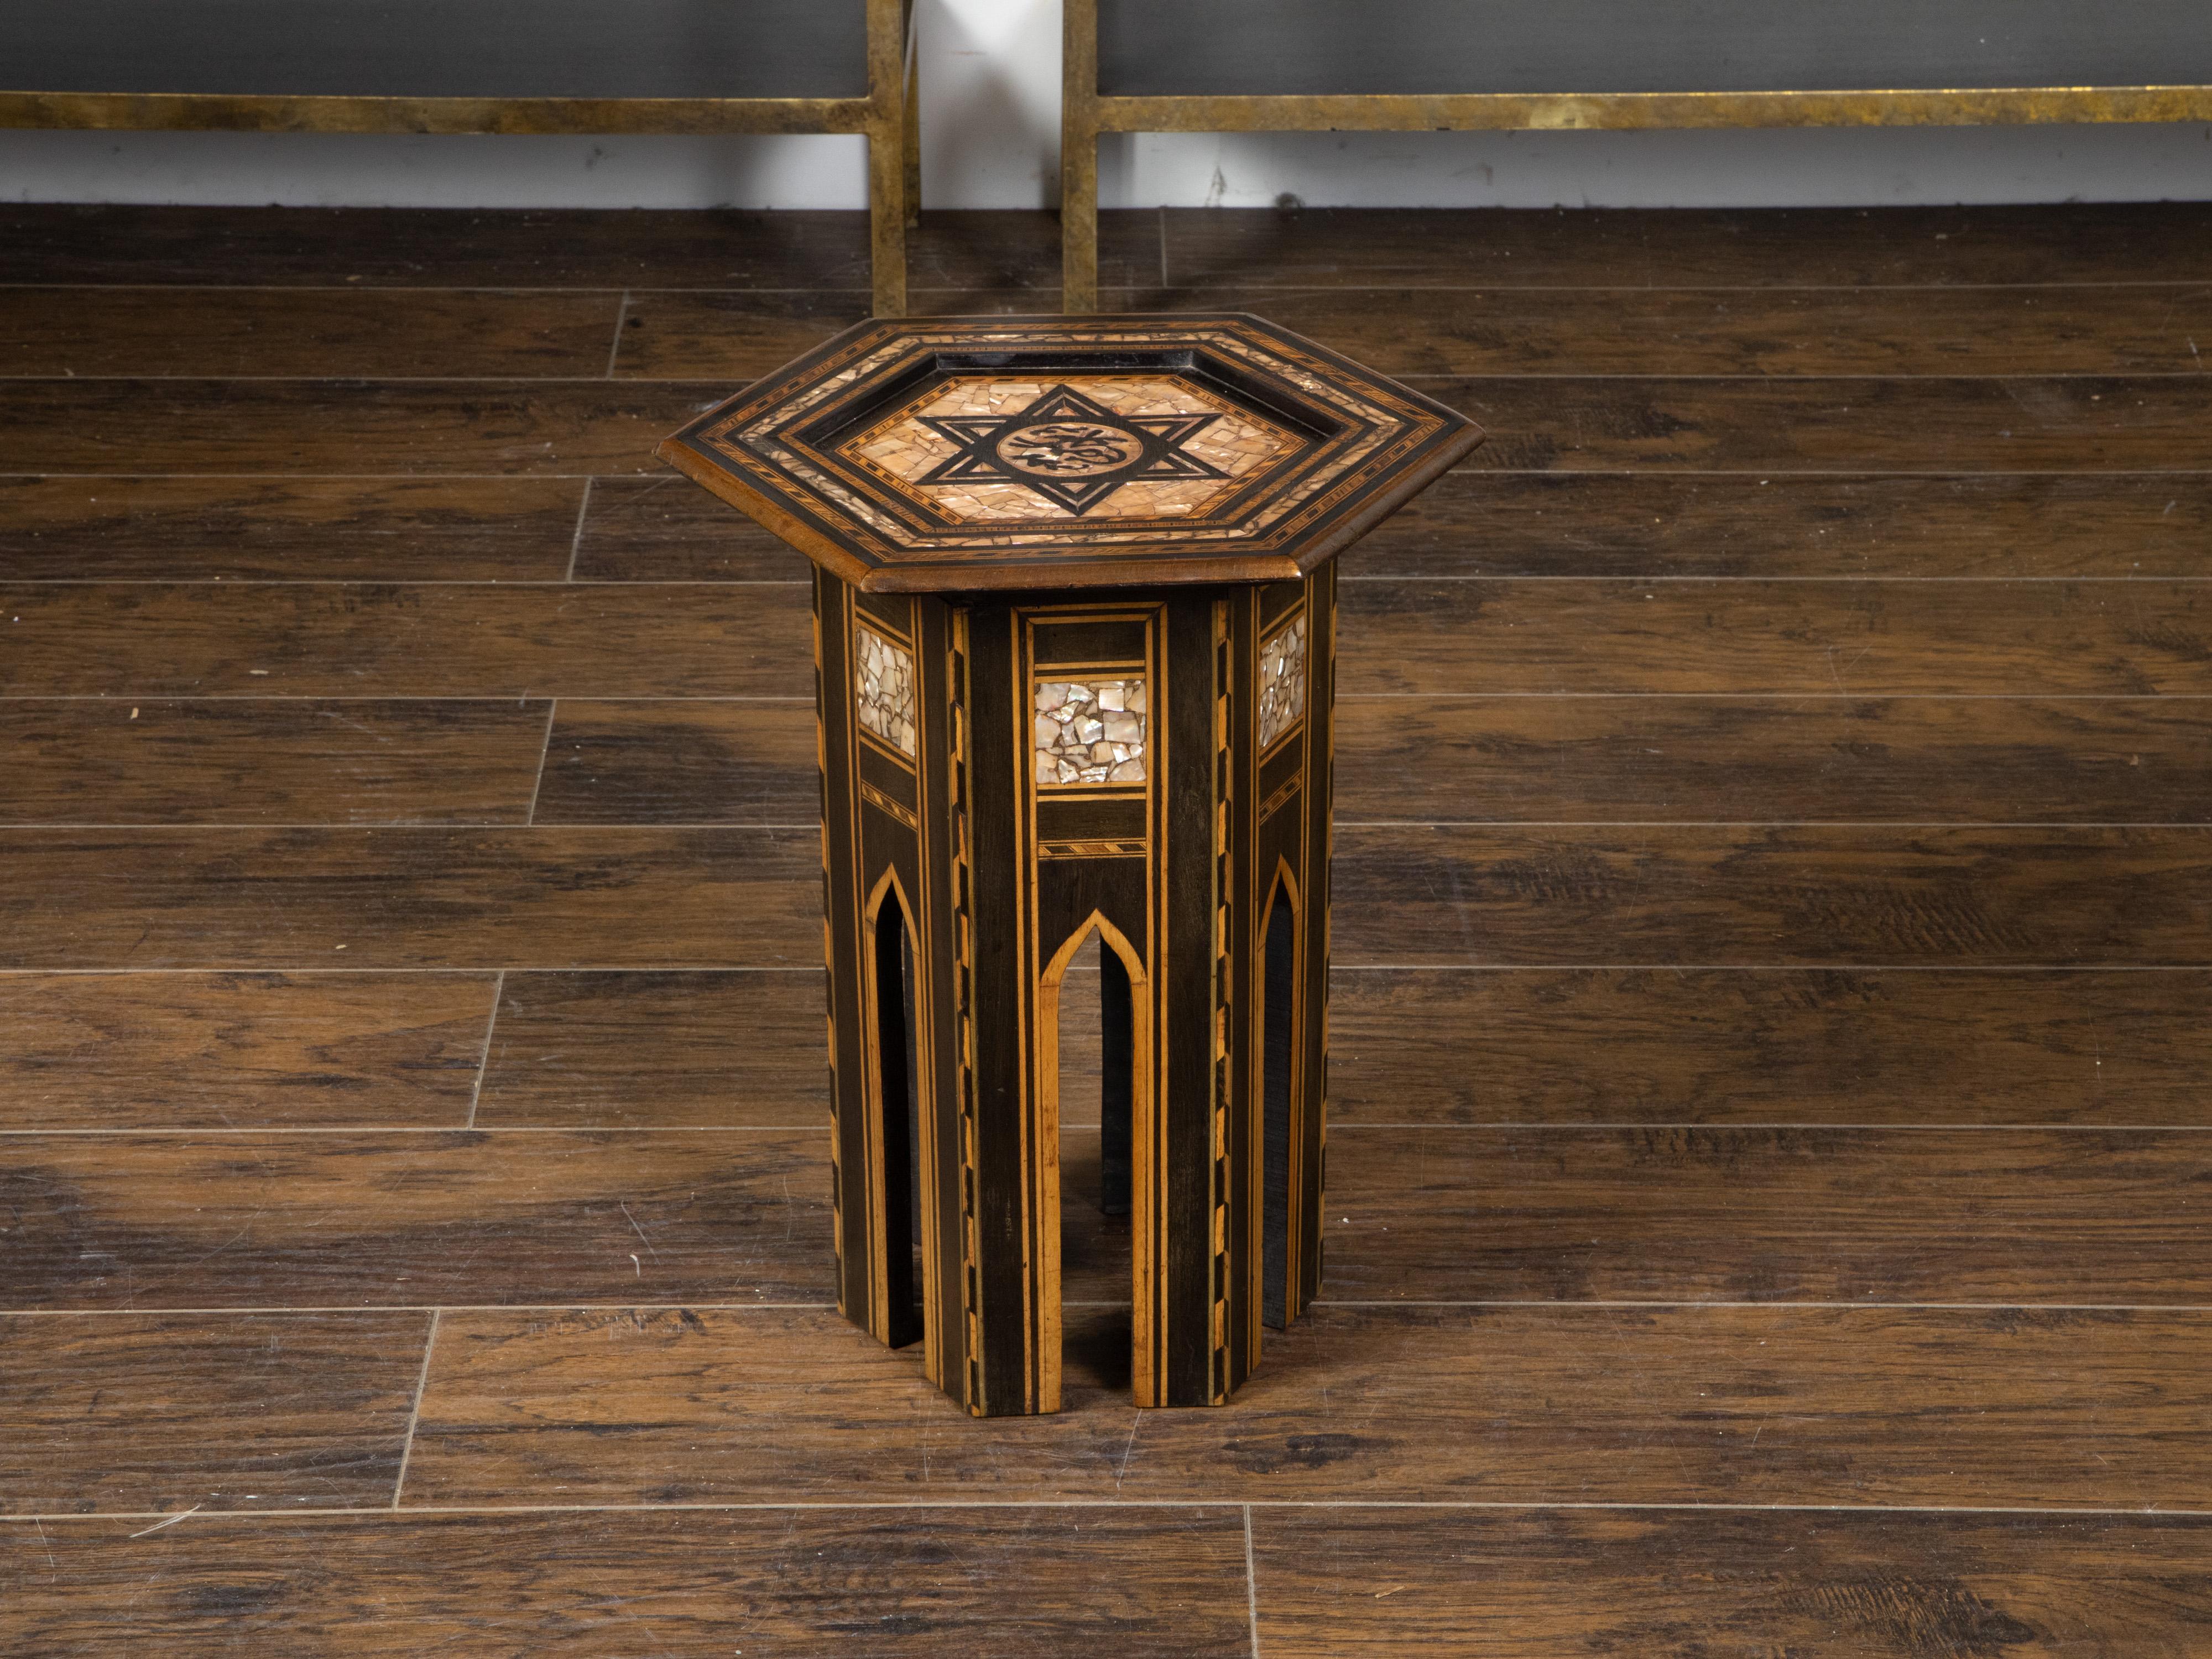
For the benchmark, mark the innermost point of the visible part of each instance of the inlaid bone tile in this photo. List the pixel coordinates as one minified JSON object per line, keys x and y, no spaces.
{"x":883,"y":688}
{"x":1089,"y":731}
{"x":1282,"y":679}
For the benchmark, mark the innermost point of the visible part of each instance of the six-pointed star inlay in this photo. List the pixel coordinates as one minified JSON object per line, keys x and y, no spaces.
{"x":952,"y":454}
{"x":1069,"y":449}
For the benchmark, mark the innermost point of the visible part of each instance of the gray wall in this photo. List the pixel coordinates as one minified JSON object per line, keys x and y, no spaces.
{"x":1644,"y":45}
{"x":990,"y":113}
{"x":440,"y":48}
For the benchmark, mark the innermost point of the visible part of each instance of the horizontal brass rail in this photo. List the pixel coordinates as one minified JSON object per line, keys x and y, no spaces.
{"x":1557,"y":111}
{"x":289,"y":113}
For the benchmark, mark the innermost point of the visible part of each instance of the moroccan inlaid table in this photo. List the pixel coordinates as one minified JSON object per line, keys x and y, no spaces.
{"x":1074,"y":632}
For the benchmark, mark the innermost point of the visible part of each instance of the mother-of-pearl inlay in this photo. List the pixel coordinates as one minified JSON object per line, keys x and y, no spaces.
{"x":1282,"y":679}
{"x":1095,"y":447}
{"x":883,"y":688}
{"x":1089,"y":731}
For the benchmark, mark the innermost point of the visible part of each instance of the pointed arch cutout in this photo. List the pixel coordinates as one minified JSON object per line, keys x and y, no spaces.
{"x":888,"y":885}
{"x":895,"y":1128}
{"x":1284,"y":882}
{"x":1147,"y":1332}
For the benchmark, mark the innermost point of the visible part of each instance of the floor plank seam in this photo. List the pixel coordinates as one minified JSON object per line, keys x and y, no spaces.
{"x":472,"y":697}
{"x":544,"y":759}
{"x":479,"y":970}
{"x":357,"y":1131}
{"x":488,"y":583}
{"x":471,"y":1128}
{"x":1596,"y":1303}
{"x":1752,"y":377}
{"x":1582,"y":823}
{"x":576,"y":538}
{"x":415,"y":1412}
{"x":483,"y":1058}
{"x":1619,"y":579}
{"x":1237,"y":284}
{"x":1808,"y":695}
{"x":385,"y":1515}
{"x":1651,"y":474}
{"x":1718,"y":1126}
{"x":614,"y":350}
{"x":326,"y":477}
{"x":1251,"y":1584}
{"x":323,"y":1308}
{"x":1811,"y":967}
{"x":186,"y":825}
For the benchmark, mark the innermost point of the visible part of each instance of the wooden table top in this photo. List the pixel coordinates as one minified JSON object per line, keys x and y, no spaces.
{"x":959,"y":453}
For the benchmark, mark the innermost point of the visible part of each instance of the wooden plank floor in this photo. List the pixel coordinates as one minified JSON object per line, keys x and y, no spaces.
{"x":1771,"y":1079}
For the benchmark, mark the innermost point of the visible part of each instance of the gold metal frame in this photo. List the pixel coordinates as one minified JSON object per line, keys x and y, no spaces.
{"x":1085,"y":114}
{"x":887,"y":118}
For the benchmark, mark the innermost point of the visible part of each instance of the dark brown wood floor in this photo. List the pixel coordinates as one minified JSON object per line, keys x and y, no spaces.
{"x":1772,"y":1203}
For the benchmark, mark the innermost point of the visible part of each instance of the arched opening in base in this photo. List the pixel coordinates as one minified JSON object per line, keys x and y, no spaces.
{"x":1090,"y":1087}
{"x":898,"y":1118}
{"x":1277,"y":1059}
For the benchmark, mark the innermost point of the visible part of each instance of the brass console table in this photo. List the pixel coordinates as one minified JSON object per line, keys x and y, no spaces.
{"x":1075,"y":635}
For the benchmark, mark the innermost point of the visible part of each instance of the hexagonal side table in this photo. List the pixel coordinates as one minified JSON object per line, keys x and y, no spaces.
{"x":1075,"y":630}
